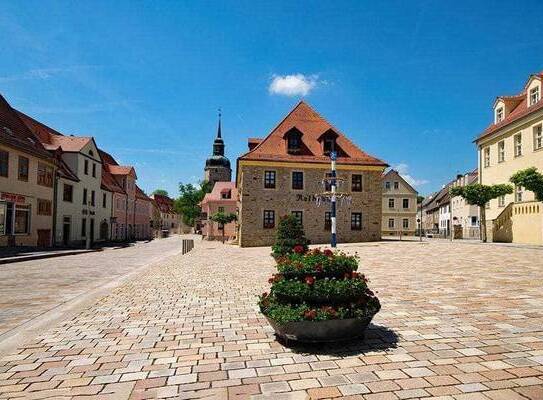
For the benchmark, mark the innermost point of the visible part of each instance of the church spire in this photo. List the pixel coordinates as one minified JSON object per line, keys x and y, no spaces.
{"x":219,"y":128}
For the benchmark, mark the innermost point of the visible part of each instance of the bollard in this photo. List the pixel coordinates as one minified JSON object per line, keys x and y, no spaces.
{"x":186,"y":245}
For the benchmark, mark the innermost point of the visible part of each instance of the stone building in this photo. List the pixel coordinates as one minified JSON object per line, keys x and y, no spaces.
{"x":281,"y":174}
{"x":217,"y":167}
{"x":399,"y":205}
{"x":512,"y":142}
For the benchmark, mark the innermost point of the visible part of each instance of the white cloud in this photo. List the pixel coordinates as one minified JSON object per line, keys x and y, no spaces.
{"x":293,"y":85}
{"x":403,"y":170}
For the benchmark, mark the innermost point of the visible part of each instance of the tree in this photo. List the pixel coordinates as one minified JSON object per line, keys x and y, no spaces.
{"x":420,"y":199}
{"x":290,"y":233}
{"x":531,"y":180}
{"x":160,"y":192}
{"x":222,"y":219}
{"x":187,"y":204}
{"x":479,"y":195}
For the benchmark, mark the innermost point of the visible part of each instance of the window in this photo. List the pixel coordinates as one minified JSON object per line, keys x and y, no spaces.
{"x":473,"y":220}
{"x":499,"y":114}
{"x":396,"y":185}
{"x":390,"y":203}
{"x":93,"y":198}
{"x":104,"y":200}
{"x":356,"y":184}
{"x":518,"y":194}
{"x":356,"y":221}
{"x":4,"y":163}
{"x":68,"y":193}
{"x":45,"y":175}
{"x":299,"y":215}
{"x":269,"y":219}
{"x":327,"y":220}
{"x":518,"y":144}
{"x":84,"y":227}
{"x":538,"y":137}
{"x":501,"y":151}
{"x":329,"y":145}
{"x":44,"y":207}
{"x":221,"y":209}
{"x":294,"y":142}
{"x":534,"y":95}
{"x":297,"y":180}
{"x":269,"y":179}
{"x":387,"y":185}
{"x":487,"y":205}
{"x":405,"y":223}
{"x":405,"y":203}
{"x":486,"y":155}
{"x":226,"y":194}
{"x":23,"y":169}
{"x":21,"y":224}
{"x":93,"y":170}
{"x":84,"y":196}
{"x":391,"y":223}
{"x":86,"y":167}
{"x":501,"y":201}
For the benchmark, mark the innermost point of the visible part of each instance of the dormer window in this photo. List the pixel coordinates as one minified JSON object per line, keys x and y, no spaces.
{"x":227,"y":194}
{"x":534,"y":95}
{"x":329,"y":145}
{"x":499,"y":114}
{"x":294,"y":141}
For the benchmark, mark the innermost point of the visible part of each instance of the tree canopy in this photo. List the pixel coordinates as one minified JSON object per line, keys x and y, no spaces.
{"x":187,"y":204}
{"x":479,"y":195}
{"x":531,"y":180}
{"x":160,"y":192}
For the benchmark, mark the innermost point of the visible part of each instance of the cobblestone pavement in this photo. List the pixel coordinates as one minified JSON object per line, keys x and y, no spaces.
{"x":28,"y":289}
{"x":458,"y":322}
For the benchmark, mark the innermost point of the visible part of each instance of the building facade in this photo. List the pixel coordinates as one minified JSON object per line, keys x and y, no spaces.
{"x":465,"y":217}
{"x":27,"y":180}
{"x":283,"y":172}
{"x":514,"y":141}
{"x":83,"y":206}
{"x":167,"y":218}
{"x":399,"y":205}
{"x":223,"y":198}
{"x":217,"y":168}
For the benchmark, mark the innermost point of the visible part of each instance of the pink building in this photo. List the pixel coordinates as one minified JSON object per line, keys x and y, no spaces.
{"x":131,"y":211}
{"x":223,"y":198}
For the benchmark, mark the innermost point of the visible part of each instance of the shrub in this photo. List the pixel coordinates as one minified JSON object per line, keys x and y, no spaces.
{"x":318,"y":285}
{"x":290,"y":237}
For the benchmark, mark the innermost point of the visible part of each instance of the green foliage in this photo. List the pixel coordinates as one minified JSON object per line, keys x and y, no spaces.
{"x":223,"y":218}
{"x":479,"y":195}
{"x":420,"y":199}
{"x":316,"y":262}
{"x":531,"y":180}
{"x":317,"y":285}
{"x":160,"y":192}
{"x":290,"y":234}
{"x":187,"y":204}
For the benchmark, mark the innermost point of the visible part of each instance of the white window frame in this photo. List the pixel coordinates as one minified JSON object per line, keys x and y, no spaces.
{"x":499,"y":114}
{"x":534,"y":95}
{"x":391,"y":226}
{"x":501,"y":151}
{"x":501,"y":201}
{"x":517,"y":144}
{"x":518,"y":193}
{"x":538,"y":137}
{"x":405,"y":223}
{"x":486,"y":157}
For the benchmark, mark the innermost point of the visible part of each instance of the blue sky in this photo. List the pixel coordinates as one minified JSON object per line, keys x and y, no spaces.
{"x":410,"y":82}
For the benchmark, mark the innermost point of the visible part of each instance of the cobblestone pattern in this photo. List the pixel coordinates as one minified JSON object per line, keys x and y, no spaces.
{"x":459,"y":321}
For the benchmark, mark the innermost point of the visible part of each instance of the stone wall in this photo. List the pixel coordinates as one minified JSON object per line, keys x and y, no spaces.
{"x":254,"y":199}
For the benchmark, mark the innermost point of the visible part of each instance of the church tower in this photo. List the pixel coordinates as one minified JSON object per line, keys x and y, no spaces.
{"x":217,"y":167}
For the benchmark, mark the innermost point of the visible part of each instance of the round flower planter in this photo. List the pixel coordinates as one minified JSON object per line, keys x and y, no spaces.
{"x":332,"y":330}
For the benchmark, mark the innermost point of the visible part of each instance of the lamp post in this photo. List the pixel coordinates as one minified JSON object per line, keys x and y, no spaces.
{"x":333,"y":157}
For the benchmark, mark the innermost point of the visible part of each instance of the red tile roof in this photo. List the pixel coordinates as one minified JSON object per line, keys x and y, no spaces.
{"x":218,"y":189}
{"x":312,"y":126}
{"x":164,"y":203}
{"x":519,"y":109}
{"x":14,"y":132}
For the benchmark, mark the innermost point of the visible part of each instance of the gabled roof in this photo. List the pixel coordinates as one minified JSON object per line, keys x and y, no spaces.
{"x":218,"y":189}
{"x":519,"y":110}
{"x":394,"y":172}
{"x":52,"y":139}
{"x":312,"y":126}
{"x":113,"y":167}
{"x":14,"y":132}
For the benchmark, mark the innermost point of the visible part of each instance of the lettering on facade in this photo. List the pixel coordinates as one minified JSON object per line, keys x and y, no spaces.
{"x":13,"y":198}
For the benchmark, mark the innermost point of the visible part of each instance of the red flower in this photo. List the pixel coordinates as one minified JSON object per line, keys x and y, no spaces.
{"x":310,"y":314}
{"x":328,"y":253}
{"x":309,"y":280}
{"x":318,"y":268}
{"x":355,"y":275}
{"x":299,"y":249}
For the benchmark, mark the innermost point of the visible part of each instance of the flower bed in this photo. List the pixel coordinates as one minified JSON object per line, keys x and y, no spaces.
{"x":317,"y":286}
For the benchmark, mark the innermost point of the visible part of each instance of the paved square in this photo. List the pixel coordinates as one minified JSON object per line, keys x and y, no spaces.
{"x":459,"y":321}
